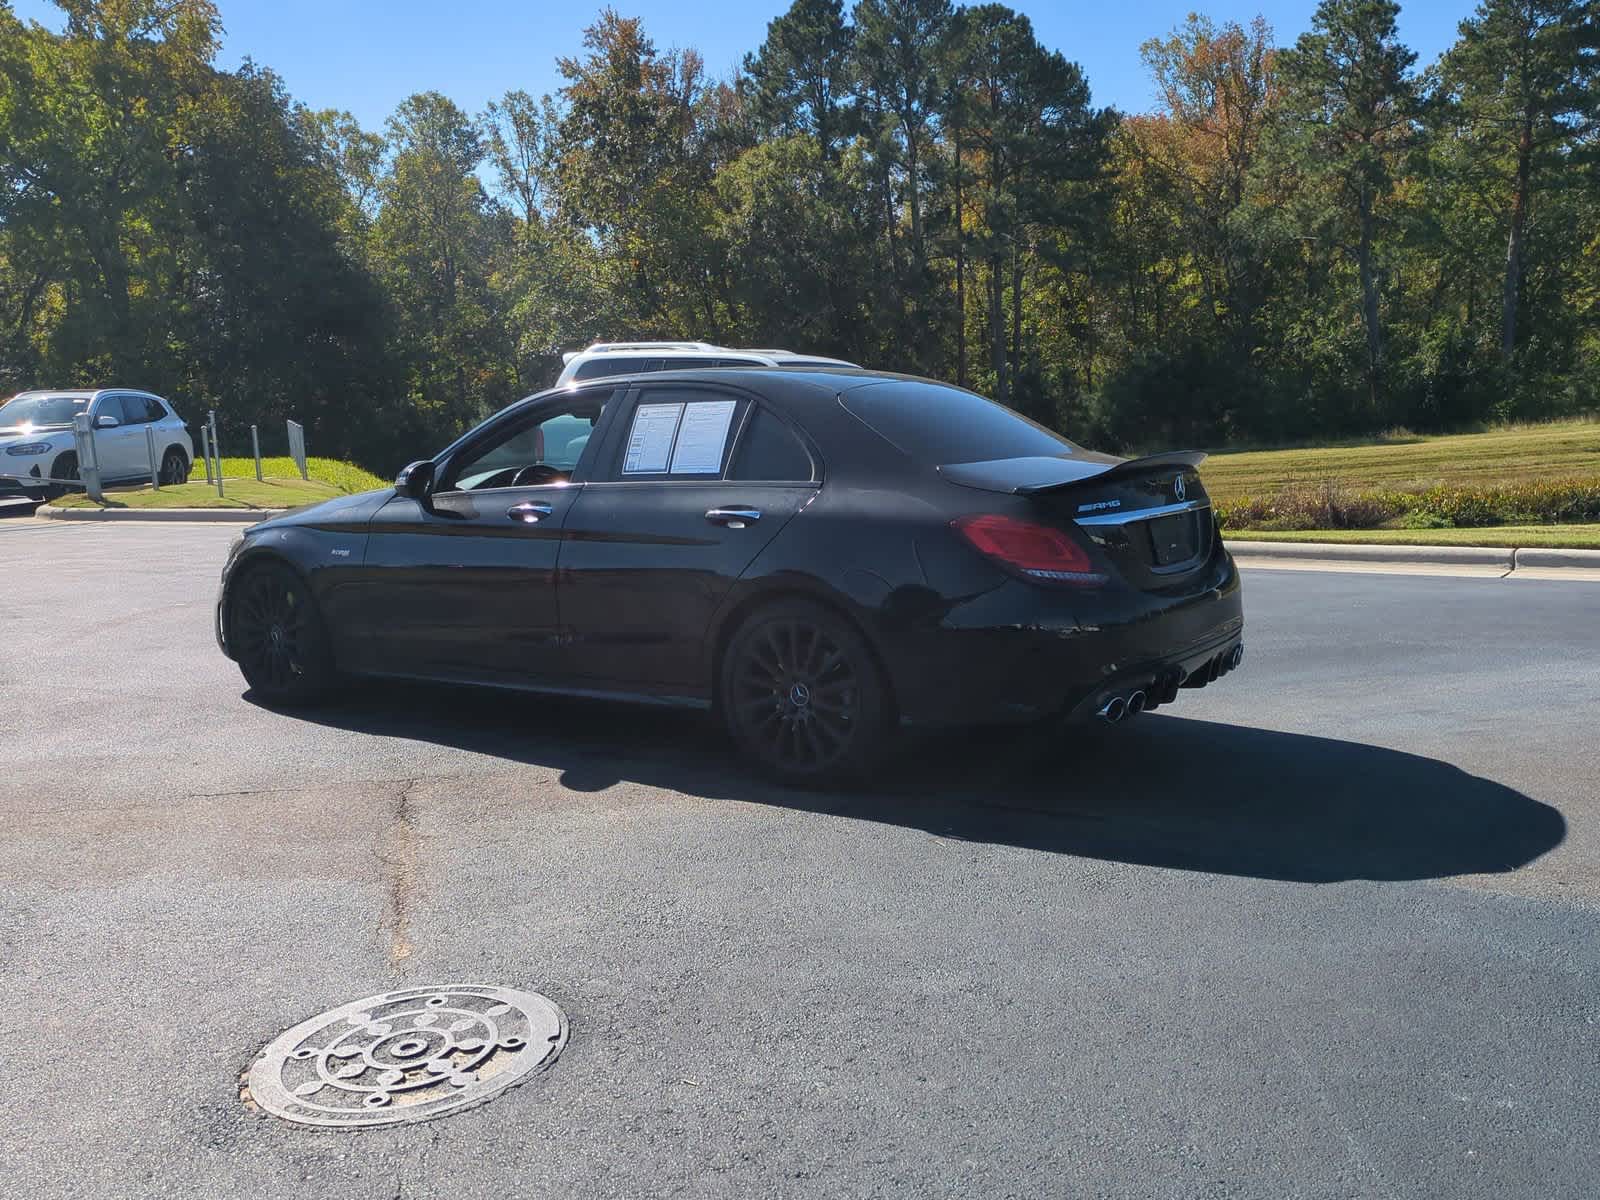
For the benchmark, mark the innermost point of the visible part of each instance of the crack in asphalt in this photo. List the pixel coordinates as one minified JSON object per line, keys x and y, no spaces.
{"x":399,"y":855}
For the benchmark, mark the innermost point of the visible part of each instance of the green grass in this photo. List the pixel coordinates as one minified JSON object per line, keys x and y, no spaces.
{"x":346,"y":477}
{"x":281,"y":486}
{"x":1518,"y":454}
{"x":240,"y":493}
{"x":1581,"y":537}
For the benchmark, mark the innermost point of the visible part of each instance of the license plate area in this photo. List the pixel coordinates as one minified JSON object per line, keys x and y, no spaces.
{"x":1174,"y":539}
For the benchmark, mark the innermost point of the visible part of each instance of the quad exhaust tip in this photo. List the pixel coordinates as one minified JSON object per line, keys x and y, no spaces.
{"x":1166,"y":691}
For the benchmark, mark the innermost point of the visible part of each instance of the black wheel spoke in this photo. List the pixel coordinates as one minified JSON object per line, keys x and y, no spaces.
{"x":794,"y":692}
{"x":274,"y":633}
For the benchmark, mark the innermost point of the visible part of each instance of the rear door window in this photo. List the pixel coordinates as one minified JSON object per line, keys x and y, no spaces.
{"x":137,"y":410}
{"x":936,"y":424}
{"x":677,"y":433}
{"x":769,"y":452}
{"x":126,"y":409}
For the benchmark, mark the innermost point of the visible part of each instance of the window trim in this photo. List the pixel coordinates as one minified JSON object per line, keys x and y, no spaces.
{"x":607,"y":471}
{"x":445,"y":461}
{"x":638,"y":394}
{"x":799,"y":437}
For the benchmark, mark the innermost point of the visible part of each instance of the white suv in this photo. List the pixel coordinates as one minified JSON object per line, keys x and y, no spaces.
{"x":36,"y":440}
{"x":630,"y":358}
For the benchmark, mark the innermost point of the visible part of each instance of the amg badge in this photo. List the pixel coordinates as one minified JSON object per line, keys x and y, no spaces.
{"x":1099,"y":504}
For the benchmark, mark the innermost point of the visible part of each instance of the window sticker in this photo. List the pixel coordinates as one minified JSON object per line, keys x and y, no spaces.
{"x":650,"y":440}
{"x":702,"y":437}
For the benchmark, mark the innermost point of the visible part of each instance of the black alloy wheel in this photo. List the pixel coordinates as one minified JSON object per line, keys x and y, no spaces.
{"x":802,"y":694}
{"x":174,"y":468}
{"x":277,"y":636}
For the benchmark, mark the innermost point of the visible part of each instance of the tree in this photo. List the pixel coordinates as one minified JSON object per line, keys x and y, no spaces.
{"x":520,"y":133}
{"x":634,"y":161}
{"x":1025,"y":111}
{"x":1522,"y":82}
{"x":87,"y":138}
{"x":897,"y":51}
{"x":1217,"y":88}
{"x":799,"y":80}
{"x":1345,"y":125}
{"x":436,"y":242}
{"x":355,"y":156}
{"x":271,"y":315}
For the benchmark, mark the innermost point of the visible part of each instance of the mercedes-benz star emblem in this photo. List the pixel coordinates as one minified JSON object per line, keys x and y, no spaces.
{"x":1178,"y":487}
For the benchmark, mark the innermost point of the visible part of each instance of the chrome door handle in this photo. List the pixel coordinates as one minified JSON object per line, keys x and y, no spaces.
{"x":530,"y":513}
{"x":733,"y":518}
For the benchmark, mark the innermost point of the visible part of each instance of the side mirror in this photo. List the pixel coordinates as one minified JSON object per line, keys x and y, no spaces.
{"x":415,"y":482}
{"x":106,"y":421}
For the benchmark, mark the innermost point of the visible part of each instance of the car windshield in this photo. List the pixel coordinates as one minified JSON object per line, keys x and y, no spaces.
{"x":39,"y":411}
{"x":937,"y":424}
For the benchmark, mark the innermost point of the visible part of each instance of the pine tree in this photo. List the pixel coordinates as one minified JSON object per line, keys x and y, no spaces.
{"x":1346,"y":122}
{"x":1522,"y":83}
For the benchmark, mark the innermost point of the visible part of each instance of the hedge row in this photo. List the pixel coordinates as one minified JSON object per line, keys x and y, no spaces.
{"x":1332,"y":505}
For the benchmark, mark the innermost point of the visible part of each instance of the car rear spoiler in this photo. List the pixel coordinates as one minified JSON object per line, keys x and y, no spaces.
{"x":1033,"y":476}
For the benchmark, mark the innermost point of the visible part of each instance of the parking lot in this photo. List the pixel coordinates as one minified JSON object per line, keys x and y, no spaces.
{"x":1328,"y":928}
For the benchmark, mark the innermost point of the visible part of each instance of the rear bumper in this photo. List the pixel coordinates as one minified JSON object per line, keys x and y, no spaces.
{"x":1020,"y":653}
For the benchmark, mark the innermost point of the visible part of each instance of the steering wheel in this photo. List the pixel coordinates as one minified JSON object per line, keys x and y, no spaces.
{"x":538,"y":473}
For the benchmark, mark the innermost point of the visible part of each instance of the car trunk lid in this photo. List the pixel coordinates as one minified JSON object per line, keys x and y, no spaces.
{"x":1149,"y":516}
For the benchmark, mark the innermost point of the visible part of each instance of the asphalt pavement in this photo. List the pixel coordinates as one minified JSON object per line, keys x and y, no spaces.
{"x":1325,"y":929}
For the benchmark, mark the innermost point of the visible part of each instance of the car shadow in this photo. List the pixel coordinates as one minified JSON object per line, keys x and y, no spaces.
{"x":1161,"y":791}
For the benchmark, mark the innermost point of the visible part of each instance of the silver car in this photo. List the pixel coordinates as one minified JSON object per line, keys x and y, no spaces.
{"x":37,"y":448}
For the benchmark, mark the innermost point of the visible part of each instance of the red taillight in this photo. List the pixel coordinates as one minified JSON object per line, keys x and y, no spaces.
{"x":1036,"y":551}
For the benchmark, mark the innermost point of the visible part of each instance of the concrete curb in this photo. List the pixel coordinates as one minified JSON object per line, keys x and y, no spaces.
{"x":1561,"y":559}
{"x":175,"y":515}
{"x":1466,"y":559}
{"x":1448,"y":556}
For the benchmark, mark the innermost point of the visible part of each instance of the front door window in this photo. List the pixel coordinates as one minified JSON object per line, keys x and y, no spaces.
{"x":544,"y":447}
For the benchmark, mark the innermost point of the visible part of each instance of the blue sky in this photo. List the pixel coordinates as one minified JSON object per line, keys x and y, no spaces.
{"x":367,"y":55}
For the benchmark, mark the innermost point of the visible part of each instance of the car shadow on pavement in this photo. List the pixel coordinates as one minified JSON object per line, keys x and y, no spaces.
{"x":1160,"y":791}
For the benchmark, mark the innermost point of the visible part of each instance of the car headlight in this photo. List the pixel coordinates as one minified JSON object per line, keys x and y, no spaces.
{"x":28,"y":449}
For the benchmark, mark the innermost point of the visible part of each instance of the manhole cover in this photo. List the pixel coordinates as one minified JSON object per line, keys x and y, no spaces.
{"x":407,"y":1056}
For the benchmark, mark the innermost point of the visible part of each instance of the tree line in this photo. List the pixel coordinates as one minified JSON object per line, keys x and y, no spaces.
{"x":1302,"y":241}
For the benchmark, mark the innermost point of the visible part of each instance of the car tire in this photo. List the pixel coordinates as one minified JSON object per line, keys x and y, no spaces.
{"x":803,"y":696}
{"x":174,"y":467}
{"x":65,"y":466}
{"x":277,"y":636}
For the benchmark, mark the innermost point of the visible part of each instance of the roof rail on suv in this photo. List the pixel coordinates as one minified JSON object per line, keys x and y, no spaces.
{"x":623,"y":347}
{"x":626,"y":358}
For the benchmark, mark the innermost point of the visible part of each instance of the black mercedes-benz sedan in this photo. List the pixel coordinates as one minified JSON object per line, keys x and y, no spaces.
{"x":819,"y":556}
